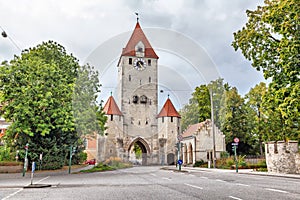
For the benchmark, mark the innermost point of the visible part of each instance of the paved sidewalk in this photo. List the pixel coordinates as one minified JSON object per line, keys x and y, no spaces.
{"x":240,"y":171}
{"x":37,"y":173}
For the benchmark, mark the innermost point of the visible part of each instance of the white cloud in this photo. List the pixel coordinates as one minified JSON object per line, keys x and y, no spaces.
{"x":81,"y":26}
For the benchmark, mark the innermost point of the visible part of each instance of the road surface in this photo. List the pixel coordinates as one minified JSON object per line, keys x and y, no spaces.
{"x":151,"y":183}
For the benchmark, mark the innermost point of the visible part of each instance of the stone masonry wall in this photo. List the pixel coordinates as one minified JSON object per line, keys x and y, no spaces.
{"x":283,"y":157}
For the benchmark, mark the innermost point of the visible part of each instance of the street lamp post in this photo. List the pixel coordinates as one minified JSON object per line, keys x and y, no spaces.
{"x":213,"y":127}
{"x":25,"y":159}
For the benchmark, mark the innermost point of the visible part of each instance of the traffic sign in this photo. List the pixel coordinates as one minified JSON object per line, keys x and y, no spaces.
{"x":179,"y":137}
{"x":236,"y":140}
{"x":179,"y":162}
{"x":234,"y":144}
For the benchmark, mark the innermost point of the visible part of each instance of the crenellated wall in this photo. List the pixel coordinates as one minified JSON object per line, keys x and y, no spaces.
{"x":283,"y":157}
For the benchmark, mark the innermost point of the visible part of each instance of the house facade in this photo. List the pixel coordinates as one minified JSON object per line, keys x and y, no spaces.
{"x":197,"y":143}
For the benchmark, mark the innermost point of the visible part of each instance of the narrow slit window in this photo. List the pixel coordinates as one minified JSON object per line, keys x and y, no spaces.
{"x":130,"y":61}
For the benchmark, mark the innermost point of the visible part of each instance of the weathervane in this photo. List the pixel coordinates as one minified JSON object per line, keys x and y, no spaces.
{"x":137,"y":17}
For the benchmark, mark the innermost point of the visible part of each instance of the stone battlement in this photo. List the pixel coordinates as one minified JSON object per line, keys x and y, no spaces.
{"x":283,"y":157}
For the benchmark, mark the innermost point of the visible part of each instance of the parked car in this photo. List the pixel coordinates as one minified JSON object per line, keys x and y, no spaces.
{"x":91,"y":162}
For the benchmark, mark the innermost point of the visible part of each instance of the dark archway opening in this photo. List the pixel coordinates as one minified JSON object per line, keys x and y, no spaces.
{"x":138,"y":151}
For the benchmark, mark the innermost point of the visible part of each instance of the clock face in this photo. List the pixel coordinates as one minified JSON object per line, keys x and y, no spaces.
{"x":139,"y":64}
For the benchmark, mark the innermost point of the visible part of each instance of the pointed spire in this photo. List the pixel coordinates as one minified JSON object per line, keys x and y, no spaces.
{"x":111,"y":107}
{"x":168,"y":110}
{"x":136,"y":37}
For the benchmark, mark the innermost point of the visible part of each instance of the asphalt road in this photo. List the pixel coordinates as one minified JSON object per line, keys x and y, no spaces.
{"x":151,"y":183}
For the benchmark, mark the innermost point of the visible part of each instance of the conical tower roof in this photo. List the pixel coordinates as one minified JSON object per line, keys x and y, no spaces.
{"x":168,"y":110}
{"x":111,"y":107}
{"x":137,"y":36}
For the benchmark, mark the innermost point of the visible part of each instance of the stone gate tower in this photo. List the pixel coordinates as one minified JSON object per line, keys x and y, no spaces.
{"x":133,"y":118}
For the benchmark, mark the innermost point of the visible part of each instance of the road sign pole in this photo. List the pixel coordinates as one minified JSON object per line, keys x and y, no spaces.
{"x":236,"y":160}
{"x":70,"y":160}
{"x":179,"y":147}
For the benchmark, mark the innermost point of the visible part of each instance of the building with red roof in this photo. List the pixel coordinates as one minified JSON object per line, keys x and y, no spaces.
{"x":133,"y":117}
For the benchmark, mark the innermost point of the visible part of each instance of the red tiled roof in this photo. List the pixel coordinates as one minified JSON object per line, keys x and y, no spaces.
{"x":168,"y":110}
{"x":194,"y":128}
{"x":111,"y":108}
{"x":138,"y":35}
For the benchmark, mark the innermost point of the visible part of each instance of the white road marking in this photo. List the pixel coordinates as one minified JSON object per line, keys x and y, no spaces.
{"x":235,"y":198}
{"x":153,"y":174}
{"x":166,"y":178}
{"x":204,"y":177}
{"x":191,"y":175}
{"x":12,"y":194}
{"x":42,"y":179}
{"x":241,"y":184}
{"x":194,"y":186}
{"x":219,"y":180}
{"x":275,"y":190}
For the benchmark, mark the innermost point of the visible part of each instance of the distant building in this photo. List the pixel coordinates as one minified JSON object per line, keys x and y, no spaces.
{"x":198,"y":143}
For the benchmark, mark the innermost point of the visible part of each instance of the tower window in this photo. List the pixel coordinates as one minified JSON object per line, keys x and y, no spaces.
{"x":149,"y":62}
{"x":162,"y":119}
{"x":129,"y":77}
{"x":135,"y":99}
{"x":130,"y":61}
{"x":171,"y":119}
{"x":149,"y":79}
{"x":111,"y":117}
{"x":143,"y":99}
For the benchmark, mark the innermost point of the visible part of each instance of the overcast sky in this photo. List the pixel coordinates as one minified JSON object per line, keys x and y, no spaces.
{"x":82,"y":26}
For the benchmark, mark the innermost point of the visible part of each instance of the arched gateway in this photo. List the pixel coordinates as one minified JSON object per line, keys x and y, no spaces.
{"x":134,"y":120}
{"x":145,"y":149}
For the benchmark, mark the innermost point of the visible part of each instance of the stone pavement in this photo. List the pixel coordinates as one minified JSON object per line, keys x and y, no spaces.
{"x":240,"y":171}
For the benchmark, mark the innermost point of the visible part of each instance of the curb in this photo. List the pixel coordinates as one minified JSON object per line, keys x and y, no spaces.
{"x":37,"y":186}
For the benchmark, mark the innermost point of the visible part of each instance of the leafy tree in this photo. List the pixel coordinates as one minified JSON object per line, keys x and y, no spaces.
{"x":89,"y":117}
{"x":198,"y":109}
{"x":271,"y":40}
{"x":38,"y":92}
{"x":234,"y":121}
{"x":217,"y":88}
{"x":257,"y":113}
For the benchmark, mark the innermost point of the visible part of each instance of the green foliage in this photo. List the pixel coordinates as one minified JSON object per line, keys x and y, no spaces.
{"x":218,"y":88}
{"x":98,"y":168}
{"x":5,"y":154}
{"x":257,"y":115}
{"x":199,"y":107}
{"x":224,"y":154}
{"x":234,"y":121}
{"x":89,"y":117}
{"x":199,"y":163}
{"x":42,"y":91}
{"x":138,"y":151}
{"x":271,"y":40}
{"x":112,"y":163}
{"x":82,"y":157}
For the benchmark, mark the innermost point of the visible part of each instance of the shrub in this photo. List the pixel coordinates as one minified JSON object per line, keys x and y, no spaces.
{"x":198,"y":163}
{"x":5,"y":153}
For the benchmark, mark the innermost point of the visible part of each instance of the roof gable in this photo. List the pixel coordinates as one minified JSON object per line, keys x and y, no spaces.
{"x":111,"y":108}
{"x":168,"y":110}
{"x":136,"y":37}
{"x":192,"y":129}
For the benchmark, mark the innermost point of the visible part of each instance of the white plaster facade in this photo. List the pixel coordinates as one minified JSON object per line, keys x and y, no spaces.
{"x":197,"y":143}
